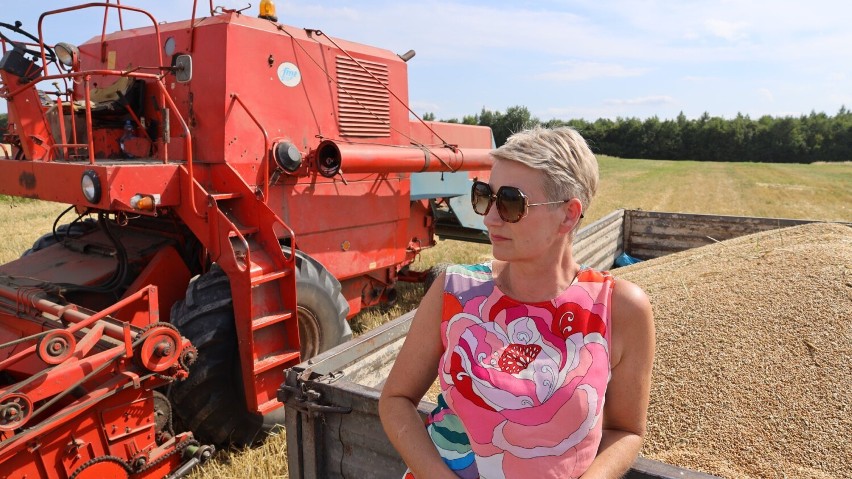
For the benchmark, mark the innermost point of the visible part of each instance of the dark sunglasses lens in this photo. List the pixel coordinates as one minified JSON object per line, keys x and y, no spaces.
{"x":510,"y":204}
{"x":480,"y":197}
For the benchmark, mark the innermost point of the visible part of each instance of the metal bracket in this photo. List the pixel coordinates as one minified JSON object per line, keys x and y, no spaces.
{"x":330,"y":377}
{"x":308,"y":400}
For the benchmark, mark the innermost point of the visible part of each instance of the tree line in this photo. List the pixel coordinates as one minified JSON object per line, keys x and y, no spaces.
{"x":803,"y":139}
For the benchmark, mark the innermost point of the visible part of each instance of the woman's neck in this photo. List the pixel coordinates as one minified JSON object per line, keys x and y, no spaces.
{"x":535,"y":281}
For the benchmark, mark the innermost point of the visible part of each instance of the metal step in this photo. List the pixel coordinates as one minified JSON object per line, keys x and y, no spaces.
{"x":265,"y":278}
{"x":225,"y":196}
{"x":277,"y":360}
{"x":269,"y":320}
{"x":243,"y":229}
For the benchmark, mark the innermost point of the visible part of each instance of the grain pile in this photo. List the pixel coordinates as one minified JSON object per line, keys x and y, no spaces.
{"x":753,"y":370}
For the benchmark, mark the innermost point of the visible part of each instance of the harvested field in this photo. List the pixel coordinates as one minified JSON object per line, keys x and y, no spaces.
{"x":752,"y":375}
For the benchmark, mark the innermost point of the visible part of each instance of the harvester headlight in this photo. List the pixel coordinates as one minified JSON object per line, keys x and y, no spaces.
{"x":91,"y":185}
{"x":287,"y":156}
{"x":67,"y":54}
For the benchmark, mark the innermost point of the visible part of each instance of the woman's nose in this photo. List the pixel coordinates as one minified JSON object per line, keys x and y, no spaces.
{"x":492,"y":217}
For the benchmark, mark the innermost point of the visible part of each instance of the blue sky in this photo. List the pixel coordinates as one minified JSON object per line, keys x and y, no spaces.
{"x":572,"y":58}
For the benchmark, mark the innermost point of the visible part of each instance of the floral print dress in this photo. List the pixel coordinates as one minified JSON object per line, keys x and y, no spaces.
{"x":522,"y":384}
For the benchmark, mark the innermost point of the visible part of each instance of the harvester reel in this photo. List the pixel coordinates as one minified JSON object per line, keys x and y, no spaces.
{"x":56,"y":346}
{"x":15,"y":410}
{"x":160,"y":349}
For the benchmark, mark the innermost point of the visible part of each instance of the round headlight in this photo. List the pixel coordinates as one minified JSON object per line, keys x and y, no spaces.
{"x":91,"y":185}
{"x":66,"y":53}
{"x":287,"y":156}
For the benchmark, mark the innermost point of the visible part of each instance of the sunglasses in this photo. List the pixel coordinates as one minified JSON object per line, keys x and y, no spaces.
{"x":512,"y":203}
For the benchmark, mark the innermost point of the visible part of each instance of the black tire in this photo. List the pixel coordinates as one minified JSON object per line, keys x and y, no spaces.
{"x":72,"y":230}
{"x":210,"y":402}
{"x":321,"y":308}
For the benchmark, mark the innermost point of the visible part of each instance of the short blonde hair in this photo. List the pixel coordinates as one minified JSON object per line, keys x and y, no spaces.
{"x":562,"y":154}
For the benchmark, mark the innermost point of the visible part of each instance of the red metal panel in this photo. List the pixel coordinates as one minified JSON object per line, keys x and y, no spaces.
{"x":167,"y":271}
{"x":372,"y":247}
{"x":367,"y":212}
{"x":60,"y":182}
{"x":464,"y":136}
{"x":63,"y":450}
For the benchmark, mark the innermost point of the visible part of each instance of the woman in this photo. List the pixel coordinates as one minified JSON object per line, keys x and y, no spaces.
{"x":544,"y":365}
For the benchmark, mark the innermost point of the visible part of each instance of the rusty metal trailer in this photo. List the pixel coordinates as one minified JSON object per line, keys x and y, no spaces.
{"x":331,"y":401}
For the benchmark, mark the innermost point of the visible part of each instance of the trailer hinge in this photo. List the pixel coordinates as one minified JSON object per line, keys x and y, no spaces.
{"x":306,"y":399}
{"x":329,"y":378}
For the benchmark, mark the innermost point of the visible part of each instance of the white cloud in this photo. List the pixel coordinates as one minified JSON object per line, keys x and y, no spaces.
{"x":766,"y":94}
{"x":701,"y":79}
{"x":731,"y":31}
{"x":424,"y":106}
{"x":642,"y":101}
{"x":710,"y":55}
{"x":579,"y":71}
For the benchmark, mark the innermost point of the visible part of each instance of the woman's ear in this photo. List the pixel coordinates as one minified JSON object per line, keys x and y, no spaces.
{"x":573,"y":212}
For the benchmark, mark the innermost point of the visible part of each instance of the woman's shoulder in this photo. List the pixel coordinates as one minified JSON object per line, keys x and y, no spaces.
{"x":588,"y":274}
{"x":480,"y":270}
{"x":631,"y":307}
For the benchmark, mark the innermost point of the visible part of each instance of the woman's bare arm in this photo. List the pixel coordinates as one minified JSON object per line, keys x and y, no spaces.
{"x":627,"y":396}
{"x":413,"y":372}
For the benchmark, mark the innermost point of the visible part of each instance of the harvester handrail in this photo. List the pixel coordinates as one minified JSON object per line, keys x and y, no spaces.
{"x":192,"y":23}
{"x":264,"y":164}
{"x":103,"y":33}
{"x":150,"y":76}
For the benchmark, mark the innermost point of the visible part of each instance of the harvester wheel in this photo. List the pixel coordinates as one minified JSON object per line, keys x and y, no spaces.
{"x":72,"y":230}
{"x":322,"y":310}
{"x":210,"y":402}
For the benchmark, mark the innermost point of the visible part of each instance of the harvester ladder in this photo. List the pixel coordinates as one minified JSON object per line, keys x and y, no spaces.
{"x":263,"y":283}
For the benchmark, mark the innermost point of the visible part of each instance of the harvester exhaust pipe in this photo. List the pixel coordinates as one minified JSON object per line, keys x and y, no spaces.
{"x":328,"y":159}
{"x":333,"y":157}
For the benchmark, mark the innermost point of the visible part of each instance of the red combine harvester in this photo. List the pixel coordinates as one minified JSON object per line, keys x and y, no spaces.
{"x":238,"y":190}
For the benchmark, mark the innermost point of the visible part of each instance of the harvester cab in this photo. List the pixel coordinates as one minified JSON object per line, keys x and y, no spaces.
{"x":238,"y":189}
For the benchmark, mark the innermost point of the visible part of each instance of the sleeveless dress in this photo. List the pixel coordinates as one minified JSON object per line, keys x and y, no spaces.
{"x":522,"y":384}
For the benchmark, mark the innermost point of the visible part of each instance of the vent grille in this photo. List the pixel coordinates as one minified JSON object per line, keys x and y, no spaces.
{"x":363,"y":106}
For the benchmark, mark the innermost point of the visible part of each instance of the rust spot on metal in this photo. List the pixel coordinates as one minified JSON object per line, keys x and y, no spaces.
{"x":27,"y":180}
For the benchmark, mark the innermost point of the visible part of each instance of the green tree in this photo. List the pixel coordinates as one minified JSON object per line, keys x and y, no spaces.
{"x":470,"y":119}
{"x":804,"y":139}
{"x":503,"y":126}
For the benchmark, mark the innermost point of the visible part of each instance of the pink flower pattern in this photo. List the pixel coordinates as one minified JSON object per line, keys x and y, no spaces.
{"x":527,"y":380}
